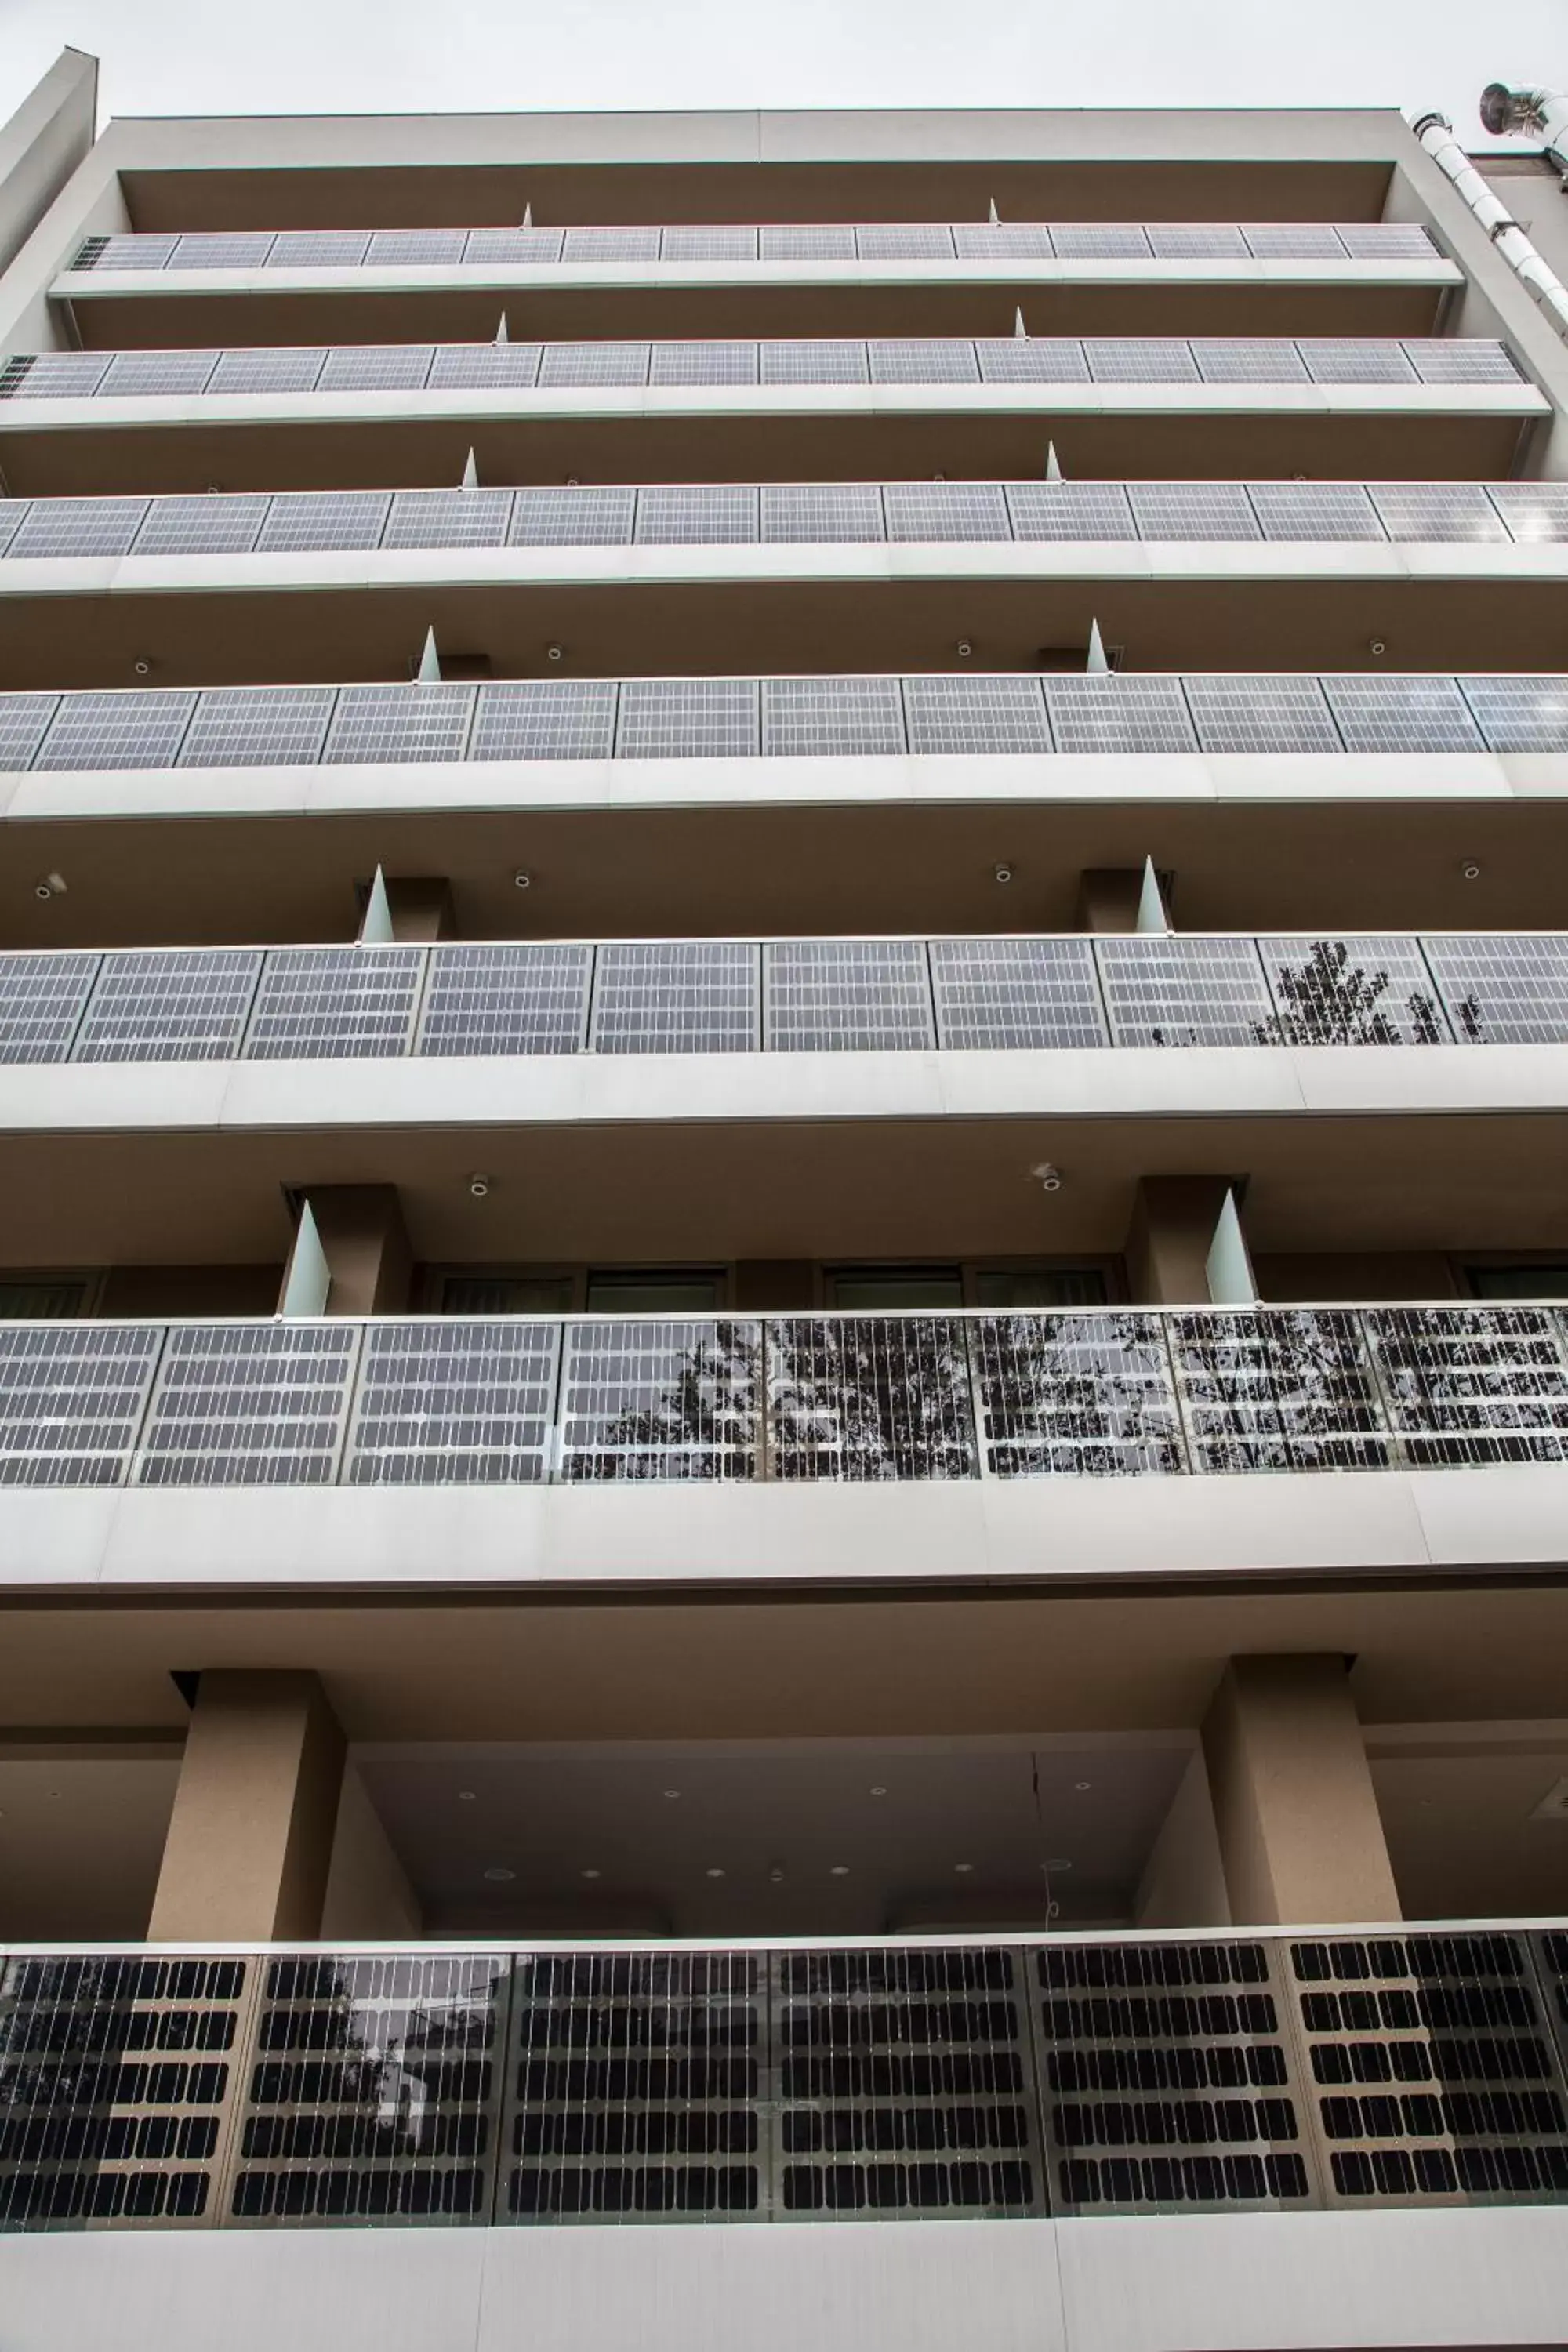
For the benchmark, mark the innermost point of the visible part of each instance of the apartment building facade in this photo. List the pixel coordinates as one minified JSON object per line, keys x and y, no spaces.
{"x":784,"y":1233}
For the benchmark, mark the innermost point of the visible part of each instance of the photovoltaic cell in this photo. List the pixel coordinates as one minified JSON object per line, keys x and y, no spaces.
{"x":1244,"y":359}
{"x":583,"y":366}
{"x":484,"y":367}
{"x":377,"y":367}
{"x":718,"y":243}
{"x":13,"y":512}
{"x":1042,"y":359}
{"x":1532,"y":510}
{"x":71,"y":1400}
{"x":1016,"y":993}
{"x":1468,"y":1385}
{"x":676,"y":996}
{"x":589,"y":516}
{"x":1352,"y":990}
{"x":1436,"y":510}
{"x":454,"y":1403}
{"x":79,"y":527}
{"x":248,"y":1405}
{"x":1351,"y":359}
{"x":1001,"y":241}
{"x":1070,"y":510}
{"x":964,"y":512}
{"x":1000,"y":716}
{"x":661,"y":1400}
{"x":808,"y":241}
{"x":301,"y":521}
{"x":1291,"y":241}
{"x":1519,"y":714}
{"x":1192,"y":511}
{"x":819,"y":361}
{"x":23,"y":720}
{"x":688,"y":719}
{"x":1466,"y":359}
{"x":1258,"y":713}
{"x":128,"y":252}
{"x":904,"y":241}
{"x":1277,"y":1389}
{"x":840,"y":513}
{"x":1129,"y":360}
{"x":349,"y":1003}
{"x":1320,"y":511}
{"x":173,"y":1005}
{"x":228,"y":249}
{"x":1195,"y":241}
{"x":1401,"y":714}
{"x":205,"y":525}
{"x":267,"y":371}
{"x":474,"y":518}
{"x":41,"y":1001}
{"x":136,"y":375}
{"x":1184,"y":991}
{"x":140,"y":729}
{"x":1098,"y":241}
{"x":53,"y":375}
{"x":829,"y":716}
{"x":922,"y":360}
{"x":319,"y":249}
{"x":1075,"y":1395}
{"x":1386,"y":241}
{"x":830,"y":996}
{"x":1112,"y":714}
{"x":611,"y":245}
{"x":703,"y":364}
{"x":869,"y":1397}
{"x":545,"y":718}
{"x":711,"y":514}
{"x":258,"y":726}
{"x":400,"y":724}
{"x":512,"y":247}
{"x":1502,"y":988}
{"x":415,"y":247}
{"x":520,"y":997}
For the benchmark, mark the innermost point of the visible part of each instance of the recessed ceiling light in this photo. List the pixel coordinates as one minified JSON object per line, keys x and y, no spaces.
{"x":465,"y":1796}
{"x":963,"y":1868}
{"x":1082,"y":1784}
{"x":672,"y":1794}
{"x":1058,"y":1862}
{"x":839,"y":1870}
{"x":775,"y":1875}
{"x":498,"y":1876}
{"x":879,"y":1792}
{"x":593,"y":1874}
{"x":715,"y":1871}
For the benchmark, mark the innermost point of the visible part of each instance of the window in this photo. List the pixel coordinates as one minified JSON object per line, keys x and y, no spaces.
{"x":1547,"y":1281}
{"x":507,"y":1294}
{"x":882,"y":1289}
{"x":1001,"y":1288}
{"x":41,"y":1298}
{"x":624,"y":1290}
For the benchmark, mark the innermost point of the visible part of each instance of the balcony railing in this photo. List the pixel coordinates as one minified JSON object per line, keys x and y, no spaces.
{"x":466,"y":1400}
{"x":989,"y":241}
{"x":791,"y":514}
{"x":1125,"y":715}
{"x":989,"y":994}
{"x":944,"y":2080}
{"x":1265,"y":363}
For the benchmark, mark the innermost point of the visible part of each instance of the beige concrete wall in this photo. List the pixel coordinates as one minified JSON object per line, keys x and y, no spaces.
{"x":366,"y":1243}
{"x":1170,"y":1237}
{"x":1183,"y":1883}
{"x":368,"y":1897}
{"x":421,"y":910}
{"x":43,"y":143}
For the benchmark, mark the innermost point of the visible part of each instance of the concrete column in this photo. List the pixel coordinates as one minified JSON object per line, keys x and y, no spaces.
{"x":1109,"y":897}
{"x":1171,"y":1231}
{"x":366,"y":1243}
{"x":250,"y":1837}
{"x":1300,"y":1833}
{"x":421,"y":910}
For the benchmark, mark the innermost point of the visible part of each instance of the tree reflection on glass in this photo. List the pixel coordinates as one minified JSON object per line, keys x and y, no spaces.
{"x":867,"y":1397}
{"x":1473,"y":1385}
{"x":1085,"y":1395}
{"x":661,"y":1400}
{"x":1332,"y":998}
{"x":1278,"y":1389}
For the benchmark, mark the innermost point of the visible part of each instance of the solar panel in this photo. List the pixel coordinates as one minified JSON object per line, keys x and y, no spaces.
{"x":840,"y":513}
{"x":964,"y":512}
{"x":1012,"y":993}
{"x":1470,"y":359}
{"x":1247,"y":359}
{"x":1386,"y":241}
{"x":1043,"y":359}
{"x":349,"y":1003}
{"x":202,"y":526}
{"x":12,"y":513}
{"x":71,"y":1400}
{"x":1195,"y":241}
{"x":1468,"y":1385}
{"x":611,"y":245}
{"x":857,"y":1398}
{"x":1291,"y":241}
{"x":472,"y":518}
{"x":1401,"y":714}
{"x":1277,"y":1389}
{"x":1184,"y":991}
{"x":301,"y":521}
{"x":708,"y":514}
{"x":704,"y":363}
{"x":450,"y":1402}
{"x":808,"y":241}
{"x":1234,"y":712}
{"x":1192,"y":511}
{"x":1501,"y":988}
{"x":400,"y":724}
{"x":1129,"y":360}
{"x":832,"y":716}
{"x":416,"y":248}
{"x":523,"y":997}
{"x":41,"y":1001}
{"x":545,"y":718}
{"x":512,"y":246}
{"x":688,"y":719}
{"x":53,"y":375}
{"x":140,"y":729}
{"x":125,"y":253}
{"x":258,"y":726}
{"x":259,"y":1404}
{"x":1351,"y":359}
{"x":484,"y":367}
{"x":904,"y":241}
{"x":591,"y":517}
{"x":170,"y":1004}
{"x":664,"y":1400}
{"x":1098,"y":241}
{"x":1352,"y":990}
{"x":319,"y":249}
{"x":1519,"y":714}
{"x":135,"y":375}
{"x":1001,"y":717}
{"x":377,"y":367}
{"x":839,"y":996}
{"x":819,"y":361}
{"x":23,"y":720}
{"x":1001,"y":241}
{"x":922,"y":360}
{"x":713,"y":243}
{"x":583,"y":366}
{"x":225,"y":249}
{"x":1070,"y":510}
{"x":267,"y":371}
{"x":1118,"y":715}
{"x":1436,"y":510}
{"x":1532,"y":510}
{"x":79,"y":527}
{"x":676,"y":996}
{"x":1075,"y":1395}
{"x":1314,"y":510}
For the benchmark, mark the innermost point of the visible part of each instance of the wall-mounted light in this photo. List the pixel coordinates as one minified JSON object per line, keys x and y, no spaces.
{"x":1048,"y":1175}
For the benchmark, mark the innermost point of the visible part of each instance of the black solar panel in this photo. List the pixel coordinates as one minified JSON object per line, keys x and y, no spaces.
{"x":922,"y":361}
{"x":1016,"y":993}
{"x":1075,"y":1395}
{"x":703,"y":364}
{"x":324,"y":520}
{"x":454,"y":1403}
{"x":258,"y":726}
{"x":1001,"y":717}
{"x":1184,"y":991}
{"x":1070,"y":510}
{"x":71,"y":1400}
{"x":377,"y":367}
{"x":473,"y":518}
{"x":41,"y":1001}
{"x":847,"y":996}
{"x":138,"y":728}
{"x":78,"y":527}
{"x":591,"y":517}
{"x":963,"y":511}
{"x":349,"y":1003}
{"x":522,"y":997}
{"x":1436,"y":510}
{"x":170,"y":1004}
{"x":1352,"y":990}
{"x":1119,"y":715}
{"x":1259,"y":713}
{"x":202,"y":526}
{"x":1502,"y":988}
{"x":840,"y":513}
{"x":249,"y":1405}
{"x":1519,"y":713}
{"x":545,"y":718}
{"x":688,"y":719}
{"x":400,"y":724}
{"x":267,"y":371}
{"x":484,"y":367}
{"x":816,"y":361}
{"x":1277,"y":1389}
{"x":1401,"y":714}
{"x":1042,"y":359}
{"x":1192,"y":511}
{"x":24,"y":717}
{"x":1322,"y":511}
{"x":141,"y":375}
{"x":52,"y":376}
{"x":832,"y":716}
{"x":676,"y":996}
{"x":709,"y":514}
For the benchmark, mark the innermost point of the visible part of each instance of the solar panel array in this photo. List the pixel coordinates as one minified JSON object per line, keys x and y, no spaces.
{"x":240,"y":1404}
{"x":658,"y":1399}
{"x":346,"y":1003}
{"x":860,"y":1397}
{"x":454,"y":1403}
{"x":1074,"y":1395}
{"x":1278,"y":1389}
{"x":668,"y":996}
{"x":176,"y":1004}
{"x":42,"y":998}
{"x":847,"y":996}
{"x":72,"y":1398}
{"x":519,"y":998}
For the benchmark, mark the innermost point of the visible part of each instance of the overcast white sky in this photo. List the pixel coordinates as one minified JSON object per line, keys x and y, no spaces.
{"x":299,"y":57}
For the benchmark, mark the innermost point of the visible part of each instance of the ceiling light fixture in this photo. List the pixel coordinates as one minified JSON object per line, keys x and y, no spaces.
{"x":1048,"y":1175}
{"x":963,"y":1868}
{"x":499,"y":1877}
{"x":521,"y":880}
{"x":466,"y":1795}
{"x":671,"y":1794}
{"x":1082,"y":1784}
{"x":480,"y":1186}
{"x":839,"y":1870}
{"x":878,"y":1791}
{"x":593,"y":1874}
{"x":1469,"y":869}
{"x":716,"y":1872}
{"x":1003,"y":873}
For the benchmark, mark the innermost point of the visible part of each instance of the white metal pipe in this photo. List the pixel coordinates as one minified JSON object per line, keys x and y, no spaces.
{"x":1436,"y":133}
{"x":1541,"y":113}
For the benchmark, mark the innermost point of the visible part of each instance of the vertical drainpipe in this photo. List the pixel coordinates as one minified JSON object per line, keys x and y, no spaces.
{"x":1436,"y":133}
